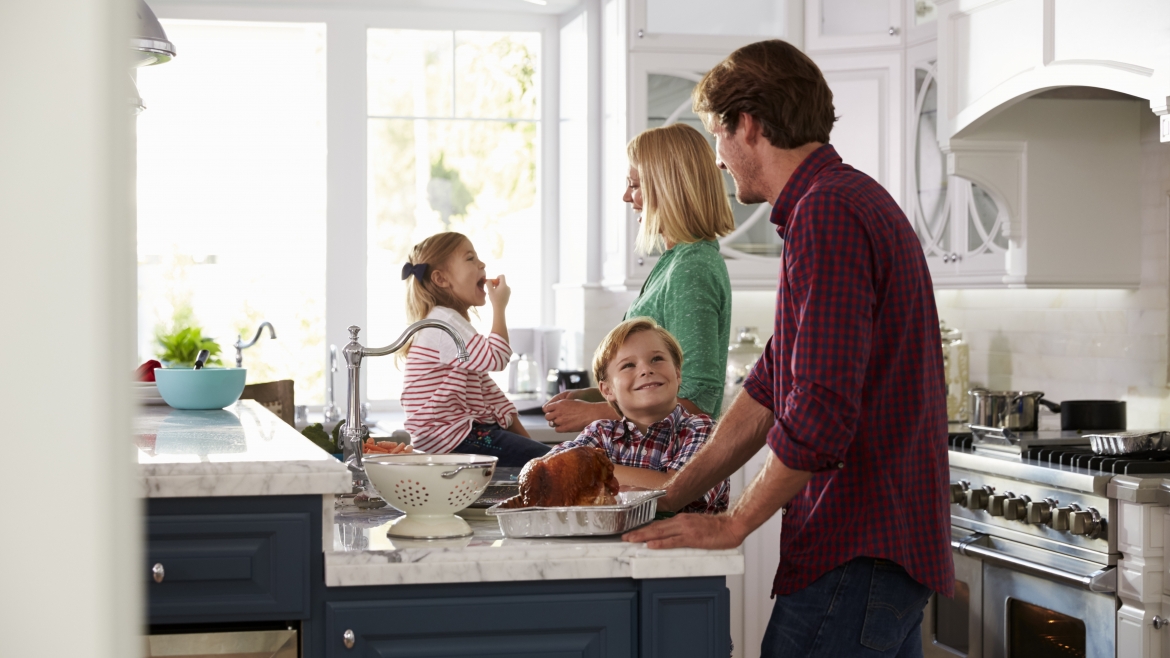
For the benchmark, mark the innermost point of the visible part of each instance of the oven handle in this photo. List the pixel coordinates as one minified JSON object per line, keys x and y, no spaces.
{"x":1102,"y":580}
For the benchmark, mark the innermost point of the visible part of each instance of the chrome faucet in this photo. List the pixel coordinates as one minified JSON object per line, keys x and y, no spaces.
{"x":241,"y":346}
{"x":332,"y":413}
{"x":355,"y":433}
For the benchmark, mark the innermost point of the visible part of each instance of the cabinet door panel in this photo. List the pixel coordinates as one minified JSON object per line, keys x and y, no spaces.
{"x":228,"y":567}
{"x":586,"y":625}
{"x":685,"y":617}
{"x":846,"y":24}
{"x":867,"y":97}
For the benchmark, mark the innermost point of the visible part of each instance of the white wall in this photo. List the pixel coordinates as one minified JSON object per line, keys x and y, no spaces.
{"x":70,"y":566}
{"x":1083,"y":344}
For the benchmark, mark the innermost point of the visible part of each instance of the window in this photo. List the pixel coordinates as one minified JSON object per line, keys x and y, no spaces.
{"x":453,"y":145}
{"x":231,"y":194}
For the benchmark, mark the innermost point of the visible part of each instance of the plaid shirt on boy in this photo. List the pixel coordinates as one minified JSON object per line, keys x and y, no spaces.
{"x":666,"y":446}
{"x":853,"y":375}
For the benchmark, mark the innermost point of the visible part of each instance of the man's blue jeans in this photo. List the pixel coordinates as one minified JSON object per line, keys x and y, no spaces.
{"x":865,"y":607}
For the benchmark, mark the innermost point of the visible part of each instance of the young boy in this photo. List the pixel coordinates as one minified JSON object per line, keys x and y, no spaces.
{"x":637,"y":368}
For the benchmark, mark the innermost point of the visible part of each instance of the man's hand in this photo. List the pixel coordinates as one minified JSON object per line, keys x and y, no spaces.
{"x":712,"y":532}
{"x":567,"y":415}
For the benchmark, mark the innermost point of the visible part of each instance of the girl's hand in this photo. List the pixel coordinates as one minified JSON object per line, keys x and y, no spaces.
{"x":498,"y":292}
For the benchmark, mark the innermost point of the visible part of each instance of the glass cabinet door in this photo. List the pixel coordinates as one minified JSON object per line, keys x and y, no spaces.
{"x":961,"y":227}
{"x":669,"y":101}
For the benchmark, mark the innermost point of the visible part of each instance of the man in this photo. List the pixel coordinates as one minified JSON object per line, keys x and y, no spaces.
{"x":849,"y":393}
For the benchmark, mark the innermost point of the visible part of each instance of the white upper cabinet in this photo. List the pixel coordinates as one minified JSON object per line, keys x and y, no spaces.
{"x":867,"y":98}
{"x":709,"y":25}
{"x":849,"y":24}
{"x":964,"y":232}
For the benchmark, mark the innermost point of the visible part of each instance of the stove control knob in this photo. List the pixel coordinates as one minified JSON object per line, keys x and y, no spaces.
{"x":1014,"y":509}
{"x":1083,"y":522}
{"x":1060,"y":517}
{"x":976,"y":499}
{"x":1039,"y":512}
{"x":995,"y":504}
{"x":958,"y":493}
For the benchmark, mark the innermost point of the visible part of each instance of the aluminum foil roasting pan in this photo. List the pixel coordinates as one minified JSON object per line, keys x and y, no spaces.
{"x":1124,"y":443}
{"x":633,"y":509}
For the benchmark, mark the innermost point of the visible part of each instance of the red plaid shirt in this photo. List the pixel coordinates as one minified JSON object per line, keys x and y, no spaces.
{"x":666,"y":446}
{"x":853,"y":374}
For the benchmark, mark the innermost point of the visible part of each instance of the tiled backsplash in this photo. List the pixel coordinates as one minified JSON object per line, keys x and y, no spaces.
{"x":1083,"y":344}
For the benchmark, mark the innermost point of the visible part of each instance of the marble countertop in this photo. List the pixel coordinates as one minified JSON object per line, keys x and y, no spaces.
{"x":243,"y":450}
{"x":362,"y":554}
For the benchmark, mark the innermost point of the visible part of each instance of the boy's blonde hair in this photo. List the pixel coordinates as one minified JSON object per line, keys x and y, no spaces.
{"x":610,"y":345}
{"x":422,"y":293}
{"x":684,"y":199}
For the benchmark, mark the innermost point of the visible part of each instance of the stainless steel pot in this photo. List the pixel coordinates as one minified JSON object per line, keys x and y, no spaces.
{"x":1010,"y":410}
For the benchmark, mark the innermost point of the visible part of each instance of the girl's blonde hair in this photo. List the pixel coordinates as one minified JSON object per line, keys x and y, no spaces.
{"x":683,"y":196}
{"x":422,"y":293}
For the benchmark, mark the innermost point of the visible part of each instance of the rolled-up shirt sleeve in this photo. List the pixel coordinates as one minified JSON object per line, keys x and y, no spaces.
{"x":829,"y":289}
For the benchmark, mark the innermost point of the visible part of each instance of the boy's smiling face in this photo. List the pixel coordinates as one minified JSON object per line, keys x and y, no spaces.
{"x":642,"y":379}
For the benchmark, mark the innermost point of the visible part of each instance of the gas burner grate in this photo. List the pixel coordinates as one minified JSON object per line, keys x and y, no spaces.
{"x":1133,"y":464}
{"x":959,"y":440}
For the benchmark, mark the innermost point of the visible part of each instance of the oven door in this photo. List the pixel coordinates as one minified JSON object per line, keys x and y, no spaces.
{"x":1041,"y":604}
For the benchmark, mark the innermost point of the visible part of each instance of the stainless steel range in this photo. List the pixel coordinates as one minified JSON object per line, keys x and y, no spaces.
{"x":1058,"y":551}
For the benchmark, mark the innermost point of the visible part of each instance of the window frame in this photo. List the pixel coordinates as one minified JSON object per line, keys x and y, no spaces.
{"x":346,"y":137}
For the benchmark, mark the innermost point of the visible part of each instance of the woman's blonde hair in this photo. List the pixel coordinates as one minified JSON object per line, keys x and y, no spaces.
{"x":684,"y":199}
{"x":422,"y":293}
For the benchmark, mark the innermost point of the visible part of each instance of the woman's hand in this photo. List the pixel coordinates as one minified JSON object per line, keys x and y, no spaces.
{"x":569,"y":415}
{"x":498,"y":292}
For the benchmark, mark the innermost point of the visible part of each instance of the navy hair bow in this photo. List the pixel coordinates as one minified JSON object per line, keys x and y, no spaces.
{"x":419,"y":271}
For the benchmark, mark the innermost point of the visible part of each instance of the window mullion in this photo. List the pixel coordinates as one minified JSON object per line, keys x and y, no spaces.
{"x":345,"y":244}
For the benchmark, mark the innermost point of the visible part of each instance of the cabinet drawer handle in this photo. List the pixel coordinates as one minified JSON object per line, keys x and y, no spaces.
{"x":347,"y":638}
{"x":893,"y":31}
{"x":641,"y":34}
{"x":158,"y":572}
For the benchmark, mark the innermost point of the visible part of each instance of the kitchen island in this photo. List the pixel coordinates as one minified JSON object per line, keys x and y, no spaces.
{"x":245,"y":527}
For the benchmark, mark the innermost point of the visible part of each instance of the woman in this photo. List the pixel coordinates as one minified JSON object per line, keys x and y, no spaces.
{"x":677,"y":189}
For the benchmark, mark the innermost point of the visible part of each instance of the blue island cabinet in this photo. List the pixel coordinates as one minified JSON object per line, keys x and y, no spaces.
{"x":259,"y":560}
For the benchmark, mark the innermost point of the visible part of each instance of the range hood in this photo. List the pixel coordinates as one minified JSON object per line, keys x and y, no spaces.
{"x":1043,"y":105}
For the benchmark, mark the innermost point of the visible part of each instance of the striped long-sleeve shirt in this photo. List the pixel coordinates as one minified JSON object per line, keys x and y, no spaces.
{"x":441,"y":395}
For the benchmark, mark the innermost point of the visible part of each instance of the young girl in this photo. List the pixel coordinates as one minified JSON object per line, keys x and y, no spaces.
{"x":453,"y":405}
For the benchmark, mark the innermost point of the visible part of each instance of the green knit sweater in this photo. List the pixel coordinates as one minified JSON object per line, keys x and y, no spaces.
{"x":689,"y":293}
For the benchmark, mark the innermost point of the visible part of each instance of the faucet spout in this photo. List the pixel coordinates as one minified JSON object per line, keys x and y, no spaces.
{"x":241,"y":346}
{"x":354,"y":431}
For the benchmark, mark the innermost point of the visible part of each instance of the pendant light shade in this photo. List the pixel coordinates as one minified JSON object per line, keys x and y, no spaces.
{"x":149,"y":41}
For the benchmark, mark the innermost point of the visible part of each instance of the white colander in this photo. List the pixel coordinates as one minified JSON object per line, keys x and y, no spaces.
{"x":430,"y":489}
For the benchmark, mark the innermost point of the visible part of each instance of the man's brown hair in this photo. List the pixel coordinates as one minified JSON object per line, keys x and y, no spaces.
{"x":775,"y":83}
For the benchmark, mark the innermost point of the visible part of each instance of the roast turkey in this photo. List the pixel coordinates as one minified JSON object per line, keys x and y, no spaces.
{"x":578,"y":476}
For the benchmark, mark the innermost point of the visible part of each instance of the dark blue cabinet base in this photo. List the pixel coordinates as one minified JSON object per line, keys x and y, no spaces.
{"x":259,"y":559}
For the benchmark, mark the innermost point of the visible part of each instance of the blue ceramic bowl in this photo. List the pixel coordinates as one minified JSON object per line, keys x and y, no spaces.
{"x":209,"y":388}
